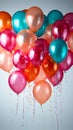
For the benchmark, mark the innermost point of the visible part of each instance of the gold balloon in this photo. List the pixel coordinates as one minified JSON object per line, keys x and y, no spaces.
{"x":25,"y":40}
{"x":34,"y":18}
{"x":6,"y":63}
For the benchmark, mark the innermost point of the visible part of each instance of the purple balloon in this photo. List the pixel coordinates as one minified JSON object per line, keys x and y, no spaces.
{"x":68,"y":61}
{"x":57,"y":78}
{"x":17,"y":81}
{"x":69,"y":19}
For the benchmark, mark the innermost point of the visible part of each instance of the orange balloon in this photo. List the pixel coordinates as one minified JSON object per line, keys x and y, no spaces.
{"x":25,"y":10}
{"x":34,"y":18}
{"x":42,"y":91}
{"x":5,"y":21}
{"x":31,"y":72}
{"x":48,"y":34}
{"x":70,"y":41}
{"x":41,"y":75}
{"x":6,"y":63}
{"x":49,"y":66}
{"x":25,"y":40}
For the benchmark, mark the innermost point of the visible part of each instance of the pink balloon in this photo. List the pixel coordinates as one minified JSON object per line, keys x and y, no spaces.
{"x":17,"y":81}
{"x":8,"y":39}
{"x":57,"y":78}
{"x":68,"y":61}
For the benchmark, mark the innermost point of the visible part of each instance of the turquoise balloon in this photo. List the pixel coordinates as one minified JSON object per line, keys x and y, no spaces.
{"x":54,"y":15}
{"x":19,"y":21}
{"x":58,"y":50}
{"x":41,"y":30}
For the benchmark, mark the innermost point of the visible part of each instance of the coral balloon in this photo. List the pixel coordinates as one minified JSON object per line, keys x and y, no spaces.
{"x":25,"y":40}
{"x":70,"y":40}
{"x":42,"y":91}
{"x":34,"y":18}
{"x":67,"y":62}
{"x":6,"y":63}
{"x":17,"y":81}
{"x":5,"y":21}
{"x":31,"y":72}
{"x":57,"y":77}
{"x":58,"y":50}
{"x":49,"y":66}
{"x":60,"y":29}
{"x":8,"y":39}
{"x":20,"y":59}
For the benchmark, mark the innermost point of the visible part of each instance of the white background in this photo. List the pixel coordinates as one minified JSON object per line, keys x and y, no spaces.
{"x":23,"y":112}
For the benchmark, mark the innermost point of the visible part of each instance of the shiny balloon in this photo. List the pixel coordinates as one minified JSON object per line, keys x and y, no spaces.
{"x":19,"y":21}
{"x":17,"y":81}
{"x":8,"y":39}
{"x":34,"y":18}
{"x":20,"y":60}
{"x":48,"y":34}
{"x":6,"y":63}
{"x":41,"y":30}
{"x":58,"y":50}
{"x":57,"y":77}
{"x":54,"y":15}
{"x":70,"y":40}
{"x":49,"y":66}
{"x":60,"y":29}
{"x":31,"y":72}
{"x":42,"y":91}
{"x":67,"y":62}
{"x":25,"y":40}
{"x":69,"y":19}
{"x":5,"y":20}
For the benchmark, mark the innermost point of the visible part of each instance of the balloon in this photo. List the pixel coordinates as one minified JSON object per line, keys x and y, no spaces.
{"x":34,"y":18}
{"x":17,"y":81}
{"x":41,"y":75}
{"x":67,"y":62}
{"x":70,"y":40}
{"x":48,"y":34}
{"x":57,"y":77}
{"x":49,"y":66}
{"x":69,"y":19}
{"x":25,"y":10}
{"x":5,"y":20}
{"x":58,"y":50}
{"x":8,"y":39}
{"x":19,"y":21}
{"x":54,"y":15}
{"x":60,"y":29}
{"x":41,"y":30}
{"x":31,"y":72}
{"x":6,"y":63}
{"x":42,"y":91}
{"x":25,"y":40}
{"x":20,"y":60}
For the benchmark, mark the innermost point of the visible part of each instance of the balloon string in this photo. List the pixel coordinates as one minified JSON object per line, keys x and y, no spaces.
{"x":17,"y":105}
{"x":42,"y":118}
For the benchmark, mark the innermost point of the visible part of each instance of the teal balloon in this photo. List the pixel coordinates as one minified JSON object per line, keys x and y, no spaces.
{"x":54,"y":15}
{"x":58,"y":50}
{"x":19,"y":21}
{"x":41,"y":30}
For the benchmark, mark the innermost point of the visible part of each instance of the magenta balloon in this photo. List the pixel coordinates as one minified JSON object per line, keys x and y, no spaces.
{"x":8,"y":39}
{"x":68,"y":61}
{"x":69,"y":19}
{"x":57,"y":78}
{"x":17,"y":81}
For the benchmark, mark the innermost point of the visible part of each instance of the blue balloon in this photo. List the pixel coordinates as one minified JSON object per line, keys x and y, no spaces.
{"x":53,"y":16}
{"x":41,"y":30}
{"x":58,"y":50}
{"x":19,"y":21}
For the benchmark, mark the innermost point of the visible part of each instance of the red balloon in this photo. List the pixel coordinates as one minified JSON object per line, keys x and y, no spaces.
{"x":57,"y":77}
{"x":17,"y":81}
{"x":67,"y":62}
{"x":8,"y":39}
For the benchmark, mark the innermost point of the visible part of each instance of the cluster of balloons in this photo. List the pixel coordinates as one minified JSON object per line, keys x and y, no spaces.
{"x":38,"y":47}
